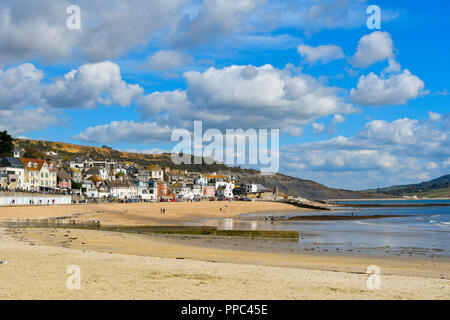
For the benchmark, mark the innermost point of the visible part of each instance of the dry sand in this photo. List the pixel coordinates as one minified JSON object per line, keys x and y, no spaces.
{"x":132,"y":266}
{"x":145,"y":213}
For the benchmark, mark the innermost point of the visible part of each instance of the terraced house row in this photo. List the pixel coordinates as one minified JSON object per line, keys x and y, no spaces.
{"x":28,"y":174}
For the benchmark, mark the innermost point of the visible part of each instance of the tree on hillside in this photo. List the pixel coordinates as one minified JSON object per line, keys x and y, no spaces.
{"x":6,"y":144}
{"x":119,"y":174}
{"x":34,"y":153}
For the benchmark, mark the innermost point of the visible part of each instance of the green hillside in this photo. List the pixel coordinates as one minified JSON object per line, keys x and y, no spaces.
{"x":436,"y":188}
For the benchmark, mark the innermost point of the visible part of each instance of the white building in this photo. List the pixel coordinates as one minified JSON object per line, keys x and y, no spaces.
{"x":149,"y":194}
{"x":92,"y":193}
{"x":148,"y":191}
{"x":251,"y":188}
{"x":123,"y":189}
{"x":224,"y":189}
{"x":19,"y":152}
{"x":182,"y":190}
{"x":203,"y":181}
{"x":156,"y":172}
{"x":100,"y":172}
{"x":76,"y":174}
{"x":197,"y":190}
{"x":79,"y":162}
{"x":14,"y":171}
{"x":39,"y":174}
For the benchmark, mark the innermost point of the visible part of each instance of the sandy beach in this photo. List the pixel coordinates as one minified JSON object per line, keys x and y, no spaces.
{"x":133,"y":214}
{"x":133,"y":266}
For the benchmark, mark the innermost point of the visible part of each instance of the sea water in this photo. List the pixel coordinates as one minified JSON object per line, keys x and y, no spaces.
{"x":425,"y":231}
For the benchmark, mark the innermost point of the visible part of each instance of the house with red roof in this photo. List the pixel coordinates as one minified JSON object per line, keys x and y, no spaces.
{"x":39,"y":174}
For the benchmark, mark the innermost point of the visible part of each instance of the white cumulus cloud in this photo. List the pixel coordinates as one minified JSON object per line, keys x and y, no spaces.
{"x":164,"y":60}
{"x":90,"y":84}
{"x":247,"y":97}
{"x":80,"y":88}
{"x":375,"y":47}
{"x":322,"y":54}
{"x":126,"y":131}
{"x":379,"y":90}
{"x":382,"y":153}
{"x":24,"y":120}
{"x":20,"y":86}
{"x":434,"y":116}
{"x":318,"y":128}
{"x":37,"y":29}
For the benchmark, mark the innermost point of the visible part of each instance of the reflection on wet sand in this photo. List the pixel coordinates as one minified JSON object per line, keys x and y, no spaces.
{"x":386,"y":231}
{"x":232,"y":224}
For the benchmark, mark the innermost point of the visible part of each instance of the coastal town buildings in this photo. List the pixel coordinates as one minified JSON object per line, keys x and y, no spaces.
{"x":208,"y":191}
{"x":122,"y":189}
{"x":112,"y":180}
{"x":162,"y":189}
{"x":13,"y":171}
{"x":101,"y":172}
{"x":19,"y":152}
{"x":197,"y":191}
{"x":64,"y":181}
{"x":77,"y":176}
{"x":224,"y":189}
{"x":149,"y":192}
{"x":39,"y":174}
{"x":156,"y":172}
{"x":3,"y":180}
{"x":251,"y":188}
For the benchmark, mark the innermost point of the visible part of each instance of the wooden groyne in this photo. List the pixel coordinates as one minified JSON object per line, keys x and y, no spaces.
{"x":306,"y":204}
{"x":50,"y":223}
{"x":200,"y":230}
{"x":181,"y":230}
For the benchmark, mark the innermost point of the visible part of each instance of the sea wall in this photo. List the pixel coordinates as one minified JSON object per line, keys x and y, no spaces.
{"x":27,"y":199}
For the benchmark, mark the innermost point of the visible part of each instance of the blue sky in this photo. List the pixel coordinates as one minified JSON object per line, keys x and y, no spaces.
{"x":356,"y":108}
